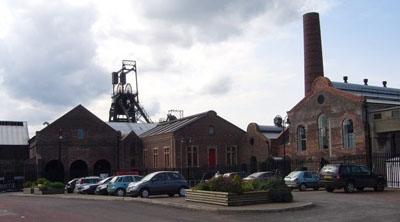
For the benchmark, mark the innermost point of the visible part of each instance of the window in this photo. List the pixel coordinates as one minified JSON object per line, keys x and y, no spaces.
{"x":301,"y":138}
{"x":211,"y":131}
{"x":348,"y":134}
{"x":192,"y":160}
{"x":80,"y":134}
{"x":127,"y":179}
{"x":251,"y":141}
{"x":231,"y":155}
{"x":323,"y":132}
{"x":396,"y":114}
{"x":155,"y":157}
{"x":166,"y":157}
{"x":377,"y":116}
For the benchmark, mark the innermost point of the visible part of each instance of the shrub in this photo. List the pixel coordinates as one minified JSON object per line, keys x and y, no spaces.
{"x":202,"y":186}
{"x":56,"y":185}
{"x":43,"y":181}
{"x":28,"y":184}
{"x":222,"y":185}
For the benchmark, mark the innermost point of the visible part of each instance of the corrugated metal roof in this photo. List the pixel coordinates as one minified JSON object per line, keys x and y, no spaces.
{"x":13,"y":133}
{"x":172,"y":126}
{"x":126,"y":127}
{"x":373,"y":93}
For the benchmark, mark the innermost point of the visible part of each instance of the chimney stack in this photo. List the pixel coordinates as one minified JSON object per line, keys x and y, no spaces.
{"x":313,"y":64}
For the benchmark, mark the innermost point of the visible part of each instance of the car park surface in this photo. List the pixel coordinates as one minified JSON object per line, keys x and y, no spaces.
{"x":336,"y":207}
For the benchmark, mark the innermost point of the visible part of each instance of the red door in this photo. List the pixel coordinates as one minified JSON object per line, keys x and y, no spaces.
{"x":212,"y":160}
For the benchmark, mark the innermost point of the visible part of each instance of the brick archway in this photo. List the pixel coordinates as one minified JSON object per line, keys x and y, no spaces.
{"x":102,"y":166}
{"x":78,"y":169}
{"x":54,"y":171}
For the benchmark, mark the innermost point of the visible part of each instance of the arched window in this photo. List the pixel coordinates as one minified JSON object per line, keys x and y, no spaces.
{"x":323,"y":132}
{"x":348,"y":134}
{"x":301,"y":138}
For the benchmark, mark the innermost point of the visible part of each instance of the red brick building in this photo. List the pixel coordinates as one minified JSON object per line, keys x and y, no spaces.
{"x":80,"y":144}
{"x":333,"y":120}
{"x":204,"y":140}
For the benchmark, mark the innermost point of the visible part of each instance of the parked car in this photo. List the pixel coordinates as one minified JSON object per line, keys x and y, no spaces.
{"x":259,"y":176}
{"x":70,"y":186}
{"x":118,"y":184}
{"x":350,"y":177}
{"x":102,"y":188}
{"x":91,"y":188}
{"x":81,"y":182}
{"x":161,"y":182}
{"x":232,"y":175}
{"x":302,"y":180}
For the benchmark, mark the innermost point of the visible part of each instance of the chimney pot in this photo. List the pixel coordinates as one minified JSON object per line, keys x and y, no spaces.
{"x":345,"y":78}
{"x":366,"y":82}
{"x":384,"y":83}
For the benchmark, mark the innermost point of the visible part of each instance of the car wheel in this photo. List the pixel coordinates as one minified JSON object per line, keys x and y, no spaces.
{"x":379,"y":187}
{"x":120,"y":192}
{"x":303,"y":187}
{"x":349,"y":188}
{"x":182,"y":191}
{"x":144,"y":193}
{"x":329,"y":189}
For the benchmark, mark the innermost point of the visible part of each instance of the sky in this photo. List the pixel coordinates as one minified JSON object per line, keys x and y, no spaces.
{"x":242,"y":59}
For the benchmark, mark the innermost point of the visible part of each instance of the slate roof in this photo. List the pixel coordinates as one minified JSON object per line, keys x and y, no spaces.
{"x":14,"y":133}
{"x":271,"y":132}
{"x":374,"y":94}
{"x":172,"y":126}
{"x":126,"y":127}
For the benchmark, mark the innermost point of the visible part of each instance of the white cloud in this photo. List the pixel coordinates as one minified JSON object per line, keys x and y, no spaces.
{"x":60,"y":54}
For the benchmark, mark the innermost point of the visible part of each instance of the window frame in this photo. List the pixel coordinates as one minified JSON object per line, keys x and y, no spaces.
{"x":301,"y":141}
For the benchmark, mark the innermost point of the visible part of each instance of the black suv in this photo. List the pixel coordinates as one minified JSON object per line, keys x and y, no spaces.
{"x":350,"y":177}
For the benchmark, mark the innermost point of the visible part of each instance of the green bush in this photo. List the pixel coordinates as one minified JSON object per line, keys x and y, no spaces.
{"x":56,"y":185}
{"x":43,"y":181}
{"x":28,"y":184}
{"x":202,"y":186}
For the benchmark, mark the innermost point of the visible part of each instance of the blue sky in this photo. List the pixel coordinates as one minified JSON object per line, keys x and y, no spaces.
{"x":243,"y":59}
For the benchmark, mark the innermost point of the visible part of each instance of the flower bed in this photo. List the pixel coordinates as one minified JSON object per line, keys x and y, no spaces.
{"x":233,"y":192}
{"x":43,"y":186}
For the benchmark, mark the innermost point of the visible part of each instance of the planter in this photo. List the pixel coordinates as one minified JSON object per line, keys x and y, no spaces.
{"x":28,"y":190}
{"x":227,"y":199}
{"x":48,"y":191}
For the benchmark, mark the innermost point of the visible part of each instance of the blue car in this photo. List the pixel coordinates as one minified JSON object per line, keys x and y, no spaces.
{"x":118,"y":184}
{"x":302,"y":180}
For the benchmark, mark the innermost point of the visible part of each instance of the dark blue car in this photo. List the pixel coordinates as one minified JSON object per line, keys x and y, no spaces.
{"x":161,"y":182}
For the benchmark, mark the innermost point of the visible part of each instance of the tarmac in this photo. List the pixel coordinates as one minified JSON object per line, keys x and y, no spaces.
{"x":181,"y":203}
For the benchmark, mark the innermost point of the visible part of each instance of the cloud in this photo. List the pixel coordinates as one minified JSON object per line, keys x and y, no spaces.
{"x":219,"y":86}
{"x":48,"y":57}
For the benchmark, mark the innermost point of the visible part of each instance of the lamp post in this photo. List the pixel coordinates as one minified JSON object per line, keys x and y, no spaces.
{"x":60,"y":137}
{"x":282,"y":122}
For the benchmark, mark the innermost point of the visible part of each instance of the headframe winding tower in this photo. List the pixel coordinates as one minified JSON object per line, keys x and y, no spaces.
{"x":125,"y":106}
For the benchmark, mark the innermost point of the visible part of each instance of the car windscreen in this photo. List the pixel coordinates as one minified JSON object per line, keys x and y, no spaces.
{"x":330,"y":169}
{"x":293,"y":174}
{"x":105,"y":180}
{"x":114,"y":179}
{"x":148,"y":176}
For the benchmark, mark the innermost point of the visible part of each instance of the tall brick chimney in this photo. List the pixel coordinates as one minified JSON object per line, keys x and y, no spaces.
{"x":313,"y":64}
